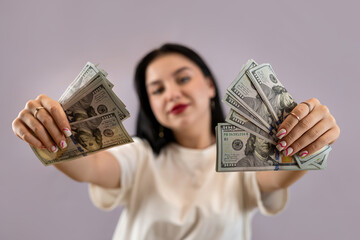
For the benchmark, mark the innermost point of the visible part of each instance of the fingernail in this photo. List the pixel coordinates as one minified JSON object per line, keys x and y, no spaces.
{"x":288,"y":151}
{"x":63,"y":144}
{"x":281,"y":133}
{"x":67,"y":132}
{"x":54,"y":149}
{"x":303,"y":153}
{"x":281,"y":145}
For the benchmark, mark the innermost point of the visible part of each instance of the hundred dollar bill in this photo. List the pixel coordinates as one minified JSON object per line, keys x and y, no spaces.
{"x":89,"y":136}
{"x":317,"y":159}
{"x":238,"y":150}
{"x":86,"y":74}
{"x":280,"y":103}
{"x":241,"y":110}
{"x":245,"y":93}
{"x":96,"y":99}
{"x":237,"y":120}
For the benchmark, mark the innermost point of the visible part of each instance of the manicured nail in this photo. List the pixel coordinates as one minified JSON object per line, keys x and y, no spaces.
{"x":303,"y":153}
{"x":63,"y":144}
{"x":281,"y":145}
{"x":67,"y":132}
{"x":288,"y":151}
{"x":54,"y":149}
{"x":281,"y":133}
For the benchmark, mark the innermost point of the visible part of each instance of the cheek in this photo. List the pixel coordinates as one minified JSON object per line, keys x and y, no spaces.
{"x":156,"y":107}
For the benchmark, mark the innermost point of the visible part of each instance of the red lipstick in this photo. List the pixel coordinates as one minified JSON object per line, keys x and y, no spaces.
{"x":179,"y":108}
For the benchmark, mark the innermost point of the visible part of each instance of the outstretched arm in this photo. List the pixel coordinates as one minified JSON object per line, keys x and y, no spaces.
{"x":43,"y":124}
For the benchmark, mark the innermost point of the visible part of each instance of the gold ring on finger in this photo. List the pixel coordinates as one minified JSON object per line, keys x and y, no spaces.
{"x":36,"y":111}
{"x":297,"y":117}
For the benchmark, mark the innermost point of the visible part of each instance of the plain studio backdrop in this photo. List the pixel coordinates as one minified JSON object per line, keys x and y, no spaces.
{"x":313,"y":46}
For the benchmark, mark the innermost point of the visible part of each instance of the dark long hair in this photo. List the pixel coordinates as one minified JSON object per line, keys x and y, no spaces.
{"x":147,"y":126}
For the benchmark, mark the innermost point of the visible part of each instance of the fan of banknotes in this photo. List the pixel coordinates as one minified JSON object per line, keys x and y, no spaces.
{"x":95,"y":114}
{"x":258,"y":104}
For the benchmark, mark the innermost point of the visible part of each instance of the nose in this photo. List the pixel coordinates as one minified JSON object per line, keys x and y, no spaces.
{"x":173,"y":92}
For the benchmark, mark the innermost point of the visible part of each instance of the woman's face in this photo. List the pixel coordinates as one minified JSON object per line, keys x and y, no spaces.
{"x":179,"y":93}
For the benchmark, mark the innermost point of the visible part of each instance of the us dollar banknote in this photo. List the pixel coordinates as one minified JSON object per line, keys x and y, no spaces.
{"x":243,"y":90}
{"x":240,"y":109}
{"x":96,"y":99}
{"x":85,"y":76}
{"x":239,"y":150}
{"x":89,"y":136}
{"x":273,"y":93}
{"x":237,"y":120}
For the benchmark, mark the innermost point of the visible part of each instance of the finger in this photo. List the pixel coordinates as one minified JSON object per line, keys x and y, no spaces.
{"x":308,"y":137}
{"x":323,"y":140}
{"x":301,"y":110}
{"x":25,"y":134}
{"x":57,"y":113}
{"x":38,"y":129}
{"x":50,"y":125}
{"x":303,"y":126}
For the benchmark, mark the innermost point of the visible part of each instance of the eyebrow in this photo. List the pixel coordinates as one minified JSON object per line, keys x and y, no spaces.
{"x":174,"y":74}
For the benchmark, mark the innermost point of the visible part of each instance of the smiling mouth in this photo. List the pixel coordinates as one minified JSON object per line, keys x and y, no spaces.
{"x":177,"y":109}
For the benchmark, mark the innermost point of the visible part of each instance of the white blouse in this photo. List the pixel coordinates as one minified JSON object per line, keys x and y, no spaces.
{"x":179,"y":195}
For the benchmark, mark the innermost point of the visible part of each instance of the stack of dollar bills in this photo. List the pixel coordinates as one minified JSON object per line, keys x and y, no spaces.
{"x":95,"y":114}
{"x":258,"y":104}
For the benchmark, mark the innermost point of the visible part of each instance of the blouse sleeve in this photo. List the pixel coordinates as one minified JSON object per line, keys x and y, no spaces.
{"x":129,"y":157}
{"x":268,"y":203}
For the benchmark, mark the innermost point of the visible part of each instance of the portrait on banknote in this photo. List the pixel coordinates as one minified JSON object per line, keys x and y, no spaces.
{"x":258,"y":153}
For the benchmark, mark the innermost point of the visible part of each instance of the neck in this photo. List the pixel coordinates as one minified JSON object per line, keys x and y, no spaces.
{"x":197,"y":137}
{"x":190,"y":139}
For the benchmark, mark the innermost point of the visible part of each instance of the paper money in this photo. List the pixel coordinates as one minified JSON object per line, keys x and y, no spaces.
{"x":95,"y":114}
{"x":245,"y":93}
{"x":86,"y":74}
{"x":258,"y":104}
{"x":238,"y":150}
{"x":97,"y":98}
{"x":89,"y":136}
{"x":240,"y":109}
{"x":280,"y":103}
{"x":237,"y":120}
{"x":316,"y":159}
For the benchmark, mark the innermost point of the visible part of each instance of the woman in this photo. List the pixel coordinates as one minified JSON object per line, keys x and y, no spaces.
{"x":166,"y":179}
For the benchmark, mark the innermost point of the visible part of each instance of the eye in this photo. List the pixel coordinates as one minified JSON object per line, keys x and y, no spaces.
{"x":157,"y":91}
{"x":184,"y":79}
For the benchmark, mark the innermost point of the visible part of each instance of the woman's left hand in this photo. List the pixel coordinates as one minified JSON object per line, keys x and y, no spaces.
{"x":307,"y":129}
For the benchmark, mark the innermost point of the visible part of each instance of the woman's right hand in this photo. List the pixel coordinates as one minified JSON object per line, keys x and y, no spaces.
{"x":45,"y":128}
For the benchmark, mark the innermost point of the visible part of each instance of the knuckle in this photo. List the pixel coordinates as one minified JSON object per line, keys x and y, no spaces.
{"x":38,"y":129}
{"x":324,"y":109}
{"x":332,"y":120}
{"x":41,"y":97}
{"x":287,"y":124}
{"x":313,"y":133}
{"x":296,"y":146}
{"x":30,"y":104}
{"x":290,"y":138}
{"x":53,"y":109}
{"x":315,"y":100}
{"x":47,"y":121}
{"x":25,"y":137}
{"x":304,"y":123}
{"x":14,"y":123}
{"x":22,"y":114}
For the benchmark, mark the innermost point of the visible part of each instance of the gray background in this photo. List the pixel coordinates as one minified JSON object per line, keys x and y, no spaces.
{"x":312,"y":45}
